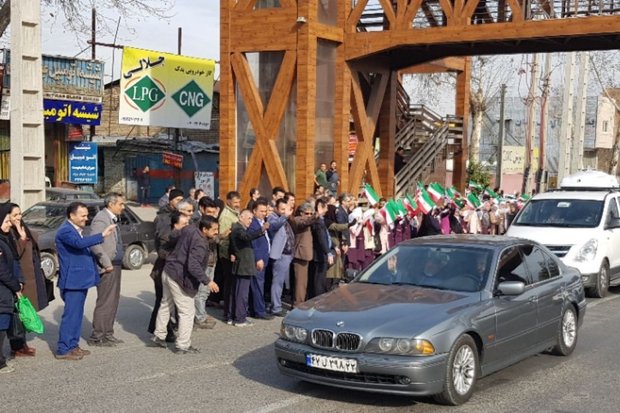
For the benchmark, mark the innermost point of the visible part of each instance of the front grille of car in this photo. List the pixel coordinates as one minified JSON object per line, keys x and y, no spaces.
{"x":341,"y":341}
{"x":348,"y":341}
{"x":559,"y":250}
{"x":370,"y":378}
{"x":323,"y":338}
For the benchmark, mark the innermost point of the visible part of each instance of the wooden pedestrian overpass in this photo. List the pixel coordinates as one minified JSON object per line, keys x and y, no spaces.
{"x":297,"y":75}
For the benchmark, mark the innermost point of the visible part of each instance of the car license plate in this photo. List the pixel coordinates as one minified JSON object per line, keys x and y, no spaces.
{"x":331,"y":363}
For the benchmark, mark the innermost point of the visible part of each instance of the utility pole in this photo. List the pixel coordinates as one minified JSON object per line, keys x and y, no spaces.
{"x":531,"y":102}
{"x":576,"y":163}
{"x":544,"y":120}
{"x":566,"y":129}
{"x":27,"y":143}
{"x":500,"y":138}
{"x":177,"y":131}
{"x":93,"y":35}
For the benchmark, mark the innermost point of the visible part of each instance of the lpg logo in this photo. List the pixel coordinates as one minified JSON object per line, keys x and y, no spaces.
{"x":145,"y":93}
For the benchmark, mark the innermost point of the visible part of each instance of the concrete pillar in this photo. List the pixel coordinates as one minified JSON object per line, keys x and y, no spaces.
{"x":27,"y":172}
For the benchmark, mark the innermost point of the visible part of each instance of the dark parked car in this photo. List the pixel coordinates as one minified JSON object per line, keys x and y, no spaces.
{"x":66,"y":194}
{"x":46,"y":217}
{"x":435,"y":314}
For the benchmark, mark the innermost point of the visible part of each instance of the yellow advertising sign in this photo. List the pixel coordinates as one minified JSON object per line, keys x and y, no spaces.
{"x":164,"y":89}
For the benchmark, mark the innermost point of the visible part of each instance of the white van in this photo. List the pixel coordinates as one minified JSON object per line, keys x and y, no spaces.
{"x":580,"y":223}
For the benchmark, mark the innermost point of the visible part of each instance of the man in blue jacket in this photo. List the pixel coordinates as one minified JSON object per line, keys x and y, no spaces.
{"x":78,"y":272}
{"x":261,"y":247}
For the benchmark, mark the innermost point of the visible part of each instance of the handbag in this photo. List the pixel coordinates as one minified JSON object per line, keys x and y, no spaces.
{"x":28,"y":316}
{"x":49,"y":289}
{"x":16,"y":329}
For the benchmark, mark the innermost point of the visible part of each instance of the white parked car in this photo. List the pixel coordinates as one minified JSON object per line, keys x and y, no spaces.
{"x":580,"y":223}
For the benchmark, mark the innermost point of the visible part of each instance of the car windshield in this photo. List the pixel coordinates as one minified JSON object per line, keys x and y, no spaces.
{"x":457,"y":268}
{"x":572,"y":213}
{"x":46,"y":216}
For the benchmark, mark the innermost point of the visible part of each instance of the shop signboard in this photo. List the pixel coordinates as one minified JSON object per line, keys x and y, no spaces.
{"x":83,"y":162}
{"x":71,"y":112}
{"x":66,"y":78}
{"x":163,"y":89}
{"x":172,"y":159}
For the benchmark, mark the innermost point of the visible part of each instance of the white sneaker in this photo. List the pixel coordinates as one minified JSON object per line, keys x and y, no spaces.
{"x":7,"y":369}
{"x":246,"y":323}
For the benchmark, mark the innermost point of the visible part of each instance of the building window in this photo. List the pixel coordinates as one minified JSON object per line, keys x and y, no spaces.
{"x":605,"y":126}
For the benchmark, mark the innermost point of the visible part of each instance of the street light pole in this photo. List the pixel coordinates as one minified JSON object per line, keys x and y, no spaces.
{"x":500,"y":138}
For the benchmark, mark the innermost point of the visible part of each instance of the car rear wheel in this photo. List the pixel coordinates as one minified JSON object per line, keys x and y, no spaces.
{"x":461,"y":372}
{"x":49,"y":265}
{"x":134,"y":257}
{"x":567,"y":333}
{"x":602,"y":282}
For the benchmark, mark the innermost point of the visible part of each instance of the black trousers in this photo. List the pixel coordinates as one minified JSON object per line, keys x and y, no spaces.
{"x":2,"y":359}
{"x":228,"y":282}
{"x":320,"y":281}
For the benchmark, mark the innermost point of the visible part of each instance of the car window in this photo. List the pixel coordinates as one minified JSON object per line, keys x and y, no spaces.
{"x":126,"y":218}
{"x":536,"y":263}
{"x":570,"y":213}
{"x":552,"y":265}
{"x":512,"y":267}
{"x":612,"y":213}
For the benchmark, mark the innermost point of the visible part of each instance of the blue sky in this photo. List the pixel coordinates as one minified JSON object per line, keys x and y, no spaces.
{"x":200,"y":21}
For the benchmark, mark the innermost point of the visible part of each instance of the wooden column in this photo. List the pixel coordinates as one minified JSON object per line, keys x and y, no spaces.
{"x":228,"y":106}
{"x":463,"y":79}
{"x":387,"y":134}
{"x":306,"y":100}
{"x":342,"y":104}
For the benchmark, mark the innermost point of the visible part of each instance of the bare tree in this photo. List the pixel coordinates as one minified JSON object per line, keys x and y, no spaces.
{"x":488,"y":74}
{"x":606,"y":68}
{"x":77,"y":12}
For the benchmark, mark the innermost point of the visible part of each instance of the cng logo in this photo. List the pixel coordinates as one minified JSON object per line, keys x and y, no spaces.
{"x":191,"y":98}
{"x":146,"y":94}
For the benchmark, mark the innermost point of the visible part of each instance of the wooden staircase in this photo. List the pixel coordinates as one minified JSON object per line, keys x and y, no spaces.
{"x":426,"y":137}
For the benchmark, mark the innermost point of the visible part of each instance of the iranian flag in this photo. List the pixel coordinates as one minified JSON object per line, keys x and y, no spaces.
{"x":473,"y":201}
{"x":389,"y":214}
{"x":452,"y":193}
{"x":411,"y":205}
{"x":436,"y":191}
{"x":371,"y":195}
{"x":524,"y":198}
{"x":460,"y":203}
{"x":424,"y":200}
{"x":402,"y":210}
{"x":491,"y":193}
{"x":473,"y":184}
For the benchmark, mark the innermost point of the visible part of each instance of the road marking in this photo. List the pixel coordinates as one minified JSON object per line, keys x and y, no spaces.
{"x":280,"y":405}
{"x":602,"y":300}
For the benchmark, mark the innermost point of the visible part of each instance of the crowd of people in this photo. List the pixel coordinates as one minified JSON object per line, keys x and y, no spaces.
{"x":251,"y":262}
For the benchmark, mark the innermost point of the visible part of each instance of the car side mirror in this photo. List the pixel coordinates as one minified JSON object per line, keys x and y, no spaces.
{"x":510,"y":288}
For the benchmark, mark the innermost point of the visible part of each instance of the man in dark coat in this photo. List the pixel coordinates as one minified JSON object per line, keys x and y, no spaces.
{"x":183,"y":273}
{"x":163,"y":246}
{"x":261,"y":246}
{"x":244,"y":267}
{"x":323,"y":249}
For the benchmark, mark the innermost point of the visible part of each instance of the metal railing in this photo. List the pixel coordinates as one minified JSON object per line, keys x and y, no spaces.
{"x":430,"y":13}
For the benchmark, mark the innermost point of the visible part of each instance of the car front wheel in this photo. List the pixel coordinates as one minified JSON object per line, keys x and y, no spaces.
{"x":602,"y":282}
{"x":567,"y":333}
{"x":134,"y":257}
{"x":461,"y":372}
{"x":49,"y":265}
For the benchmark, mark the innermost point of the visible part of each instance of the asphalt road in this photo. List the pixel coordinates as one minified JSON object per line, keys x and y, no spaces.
{"x":236,"y":372}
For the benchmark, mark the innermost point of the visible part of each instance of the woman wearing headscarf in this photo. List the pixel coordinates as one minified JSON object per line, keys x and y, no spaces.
{"x":27,"y":252}
{"x":10,"y":283}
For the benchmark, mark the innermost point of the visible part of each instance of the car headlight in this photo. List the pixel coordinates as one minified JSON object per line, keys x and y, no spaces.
{"x":588,"y":251}
{"x":401,"y":346}
{"x":293,"y":333}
